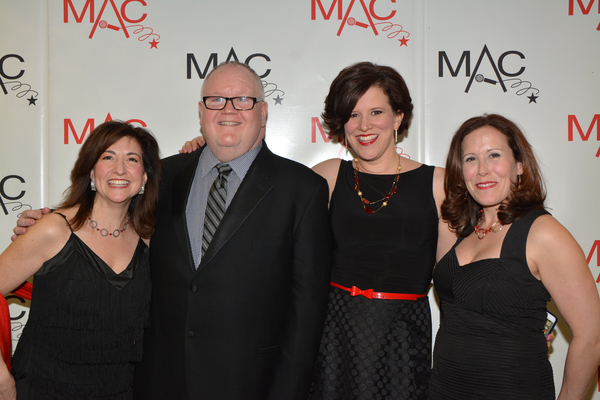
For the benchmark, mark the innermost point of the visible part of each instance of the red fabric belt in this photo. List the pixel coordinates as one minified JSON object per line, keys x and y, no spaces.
{"x":370,"y":294}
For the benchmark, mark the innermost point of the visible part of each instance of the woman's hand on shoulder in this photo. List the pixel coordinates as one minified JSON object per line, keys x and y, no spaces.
{"x":329,"y":169}
{"x":193,"y":145}
{"x":23,"y":257}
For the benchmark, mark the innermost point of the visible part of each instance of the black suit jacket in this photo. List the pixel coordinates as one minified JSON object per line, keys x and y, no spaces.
{"x":247,"y":323}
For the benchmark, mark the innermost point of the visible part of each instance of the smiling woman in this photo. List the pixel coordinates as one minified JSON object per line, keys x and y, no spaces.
{"x":494,"y":284}
{"x":384,"y":217}
{"x":91,"y":289}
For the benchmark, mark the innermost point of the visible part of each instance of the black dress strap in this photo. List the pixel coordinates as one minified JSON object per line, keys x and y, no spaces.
{"x":514,"y":248}
{"x":66,"y":219}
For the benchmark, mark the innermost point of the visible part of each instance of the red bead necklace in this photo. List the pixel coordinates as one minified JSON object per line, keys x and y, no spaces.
{"x":384,"y":200}
{"x":482,"y":232}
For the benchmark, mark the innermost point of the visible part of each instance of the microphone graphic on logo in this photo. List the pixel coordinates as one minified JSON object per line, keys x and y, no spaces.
{"x":352,"y":22}
{"x":103,"y":24}
{"x":480,"y":78}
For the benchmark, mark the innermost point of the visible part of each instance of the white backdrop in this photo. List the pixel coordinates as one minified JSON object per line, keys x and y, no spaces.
{"x":66,"y":66}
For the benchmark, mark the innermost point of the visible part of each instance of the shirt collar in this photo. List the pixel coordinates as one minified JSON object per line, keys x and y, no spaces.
{"x":240,"y":165}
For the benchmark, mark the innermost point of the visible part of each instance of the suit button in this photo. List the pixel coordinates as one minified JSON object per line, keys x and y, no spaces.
{"x":190,"y":334}
{"x":194,"y":288}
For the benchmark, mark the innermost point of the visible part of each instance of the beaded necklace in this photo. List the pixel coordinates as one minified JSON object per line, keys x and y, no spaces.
{"x":482,"y":232}
{"x":384,"y":200}
{"x":104,"y":232}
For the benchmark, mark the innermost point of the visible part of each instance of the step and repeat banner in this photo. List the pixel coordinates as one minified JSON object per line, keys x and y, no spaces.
{"x":68,"y":65}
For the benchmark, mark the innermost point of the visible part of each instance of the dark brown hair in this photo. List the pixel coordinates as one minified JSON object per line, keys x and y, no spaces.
{"x":79,"y":194}
{"x":459,"y":208}
{"x":353,"y":82}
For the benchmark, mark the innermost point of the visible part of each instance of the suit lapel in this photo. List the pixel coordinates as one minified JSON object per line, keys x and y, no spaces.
{"x":182,"y":184}
{"x":251,"y":192}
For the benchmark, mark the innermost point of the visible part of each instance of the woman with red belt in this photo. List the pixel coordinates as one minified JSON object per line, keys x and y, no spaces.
{"x":384,"y":212}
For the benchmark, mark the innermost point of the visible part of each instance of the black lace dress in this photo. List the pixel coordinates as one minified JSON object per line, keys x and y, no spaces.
{"x":85,"y":326}
{"x":372,"y":348}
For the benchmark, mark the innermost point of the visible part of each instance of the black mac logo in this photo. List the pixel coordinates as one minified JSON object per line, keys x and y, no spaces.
{"x":255,"y":61}
{"x":10,"y":197}
{"x":497,"y":71}
{"x":11,"y":70}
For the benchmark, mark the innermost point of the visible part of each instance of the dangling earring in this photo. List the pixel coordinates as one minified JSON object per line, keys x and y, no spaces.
{"x":93,"y":186}
{"x":396,"y":136}
{"x":518,"y":181}
{"x":142,"y":189}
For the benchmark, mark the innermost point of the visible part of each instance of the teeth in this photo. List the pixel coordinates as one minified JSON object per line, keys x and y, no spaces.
{"x":229,"y":123}
{"x":366,"y":138}
{"x":118,"y":183}
{"x":485,"y":184}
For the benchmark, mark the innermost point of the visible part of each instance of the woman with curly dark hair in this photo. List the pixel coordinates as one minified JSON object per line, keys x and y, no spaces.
{"x":89,"y":258}
{"x":384,"y":212}
{"x":511,"y":257}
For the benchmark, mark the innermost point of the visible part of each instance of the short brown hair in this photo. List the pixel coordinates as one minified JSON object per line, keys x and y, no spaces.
{"x":459,"y":208}
{"x":352,"y":83}
{"x":79,"y":194}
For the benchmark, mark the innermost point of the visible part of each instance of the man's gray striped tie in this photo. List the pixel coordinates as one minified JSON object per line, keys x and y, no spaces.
{"x":215,"y":206}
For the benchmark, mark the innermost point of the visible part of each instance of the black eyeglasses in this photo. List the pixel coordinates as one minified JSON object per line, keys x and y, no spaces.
{"x":240,"y":103}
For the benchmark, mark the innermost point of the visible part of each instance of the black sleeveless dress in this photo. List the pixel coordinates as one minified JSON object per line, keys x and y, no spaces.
{"x":85,"y":326}
{"x":490,"y":344}
{"x":372,"y":348}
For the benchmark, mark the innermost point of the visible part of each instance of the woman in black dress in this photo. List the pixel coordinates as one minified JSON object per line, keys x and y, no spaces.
{"x":511,"y":257}
{"x":91,"y":289}
{"x":385,"y":220}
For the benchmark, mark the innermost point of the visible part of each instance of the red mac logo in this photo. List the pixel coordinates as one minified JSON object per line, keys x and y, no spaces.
{"x":117,"y":15}
{"x":585,"y":10}
{"x":370,"y":14}
{"x":89,"y":126}
{"x":595,"y":248}
{"x":574,"y":122}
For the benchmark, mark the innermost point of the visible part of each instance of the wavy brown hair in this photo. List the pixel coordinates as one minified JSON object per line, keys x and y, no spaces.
{"x":79,"y":194}
{"x":459,"y":208}
{"x":352,"y":83}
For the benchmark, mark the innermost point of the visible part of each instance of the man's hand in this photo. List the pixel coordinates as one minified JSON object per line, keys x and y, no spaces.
{"x":26,"y":219}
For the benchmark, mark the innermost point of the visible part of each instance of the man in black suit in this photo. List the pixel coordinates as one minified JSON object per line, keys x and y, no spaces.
{"x":242,"y":317}
{"x":243,"y":320}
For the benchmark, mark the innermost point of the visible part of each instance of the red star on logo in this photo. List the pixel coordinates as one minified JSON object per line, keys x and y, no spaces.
{"x":403,"y":41}
{"x":153,"y":44}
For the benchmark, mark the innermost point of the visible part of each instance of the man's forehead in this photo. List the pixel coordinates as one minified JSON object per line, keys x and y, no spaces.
{"x":230,"y":76}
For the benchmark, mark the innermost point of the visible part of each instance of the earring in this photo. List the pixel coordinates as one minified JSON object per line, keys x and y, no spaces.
{"x":93,"y":186}
{"x":142,"y":189}
{"x":518,"y":181}
{"x":396,"y":136}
